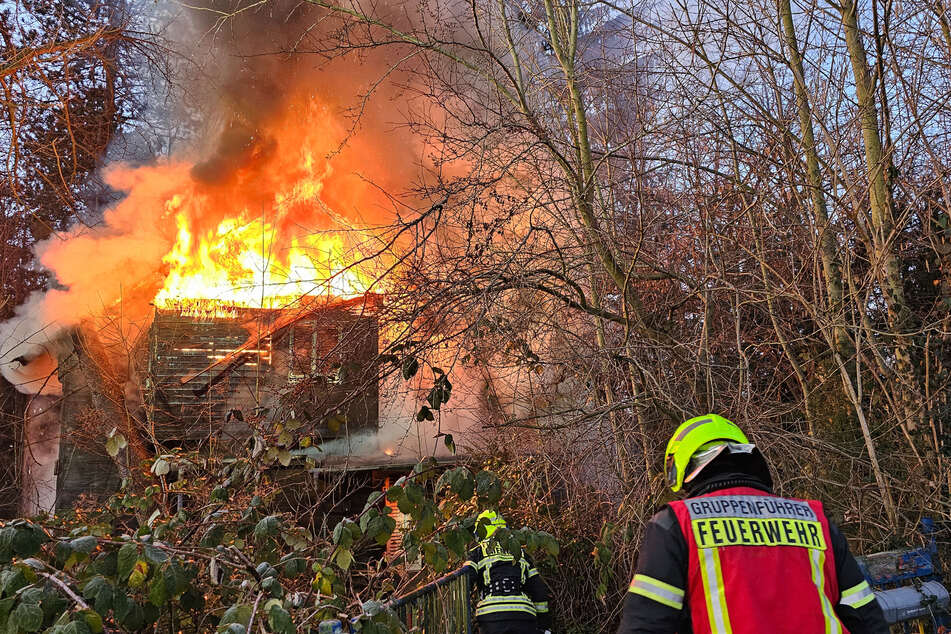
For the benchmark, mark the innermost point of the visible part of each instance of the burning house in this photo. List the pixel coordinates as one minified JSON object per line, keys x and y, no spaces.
{"x":313,"y":362}
{"x":234,"y":280}
{"x":208,"y":375}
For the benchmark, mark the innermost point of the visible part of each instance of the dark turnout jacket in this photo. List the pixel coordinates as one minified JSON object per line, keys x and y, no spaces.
{"x":658,"y":601}
{"x":510,"y":589}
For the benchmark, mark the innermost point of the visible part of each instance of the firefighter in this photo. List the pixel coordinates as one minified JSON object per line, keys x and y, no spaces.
{"x":513,"y":598}
{"x":733,"y":558}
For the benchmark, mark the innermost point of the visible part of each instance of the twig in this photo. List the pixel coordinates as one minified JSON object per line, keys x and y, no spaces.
{"x":254,"y":610}
{"x":69,"y":592}
{"x":65,"y":588}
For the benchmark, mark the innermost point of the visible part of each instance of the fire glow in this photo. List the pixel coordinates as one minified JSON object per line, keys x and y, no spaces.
{"x":265,"y":233}
{"x":237,"y":266}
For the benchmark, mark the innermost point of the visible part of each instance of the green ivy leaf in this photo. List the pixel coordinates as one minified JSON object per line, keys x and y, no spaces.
{"x":462,"y":483}
{"x":77,"y":627}
{"x":434,"y":398}
{"x":344,"y":559}
{"x":27,"y":540}
{"x":346,"y":532}
{"x":394,"y":493}
{"x":264,"y":569}
{"x":128,"y":555}
{"x":158,"y":593}
{"x":5,"y":606}
{"x":27,"y":617}
{"x":115,"y":443}
{"x":415,"y":492}
{"x":436,"y":556}
{"x":84,"y":545}
{"x":12,"y":579}
{"x":31,"y":595}
{"x":410,"y":367}
{"x":372,"y":499}
{"x":456,"y":540}
{"x":155,"y":555}
{"x":273,"y":586}
{"x":294,"y":567}
{"x":279,"y":620}
{"x":100,"y":592}
{"x":219,"y":494}
{"x":122,"y":606}
{"x":6,"y":543}
{"x":139,"y":572}
{"x":405,"y":505}
{"x":238,"y":614}
{"x":488,"y":487}
{"x":424,"y":414}
{"x":267,"y":527}
{"x":92,"y":620}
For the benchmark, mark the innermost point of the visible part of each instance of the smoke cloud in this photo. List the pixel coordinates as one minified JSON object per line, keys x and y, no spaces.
{"x":280,"y":148}
{"x":303,"y":143}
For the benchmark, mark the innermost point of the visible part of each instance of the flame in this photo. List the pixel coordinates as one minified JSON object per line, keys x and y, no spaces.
{"x":266,"y":234}
{"x":236,"y":265}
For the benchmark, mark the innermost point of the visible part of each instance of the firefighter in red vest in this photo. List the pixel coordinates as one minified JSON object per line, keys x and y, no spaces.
{"x":732,"y":558}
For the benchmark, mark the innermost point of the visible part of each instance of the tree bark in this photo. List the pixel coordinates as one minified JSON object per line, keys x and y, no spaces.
{"x":825,"y":239}
{"x":882,"y":253}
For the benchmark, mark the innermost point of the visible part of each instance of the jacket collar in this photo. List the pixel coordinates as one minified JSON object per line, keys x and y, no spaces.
{"x":728,"y":481}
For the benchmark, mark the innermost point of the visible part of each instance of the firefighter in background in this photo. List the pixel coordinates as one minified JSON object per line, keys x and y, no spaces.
{"x":513,"y":598}
{"x":732,"y":558}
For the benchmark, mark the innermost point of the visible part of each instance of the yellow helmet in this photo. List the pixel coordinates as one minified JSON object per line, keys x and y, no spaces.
{"x":707,"y":432}
{"x":491,"y":522}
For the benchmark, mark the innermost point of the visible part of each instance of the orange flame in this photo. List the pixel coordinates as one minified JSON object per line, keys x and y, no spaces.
{"x":265,"y":234}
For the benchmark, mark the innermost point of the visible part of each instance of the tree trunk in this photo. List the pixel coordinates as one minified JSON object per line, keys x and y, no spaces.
{"x":825,"y":239}
{"x":882,"y":253}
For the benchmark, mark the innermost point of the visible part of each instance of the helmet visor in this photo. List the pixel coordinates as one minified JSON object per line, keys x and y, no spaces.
{"x":702,"y":458}
{"x":671,"y":471}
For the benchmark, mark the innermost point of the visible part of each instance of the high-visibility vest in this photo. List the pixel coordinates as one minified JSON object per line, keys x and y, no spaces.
{"x":758,"y":563}
{"x":502,"y":580}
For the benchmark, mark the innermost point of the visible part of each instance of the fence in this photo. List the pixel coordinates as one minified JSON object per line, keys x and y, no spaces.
{"x":441,"y":607}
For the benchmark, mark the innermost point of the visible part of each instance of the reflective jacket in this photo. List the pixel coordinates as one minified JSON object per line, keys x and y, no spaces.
{"x":510,"y":589}
{"x":739,"y":561}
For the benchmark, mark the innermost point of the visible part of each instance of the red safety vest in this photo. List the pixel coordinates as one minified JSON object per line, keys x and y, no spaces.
{"x":758,"y":563}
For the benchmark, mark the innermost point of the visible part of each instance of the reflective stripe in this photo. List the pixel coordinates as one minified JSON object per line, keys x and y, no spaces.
{"x":817,"y":558}
{"x":486,"y":564}
{"x":491,"y":559}
{"x":692,"y":427}
{"x":514,"y":603}
{"x":542,"y":607}
{"x":512,"y":598}
{"x":857,"y":595}
{"x":515,"y":607}
{"x":657,"y":590}
{"x":532,"y":572}
{"x":713,"y":591}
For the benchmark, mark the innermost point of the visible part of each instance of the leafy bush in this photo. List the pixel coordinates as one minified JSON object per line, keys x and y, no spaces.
{"x":207,"y":552}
